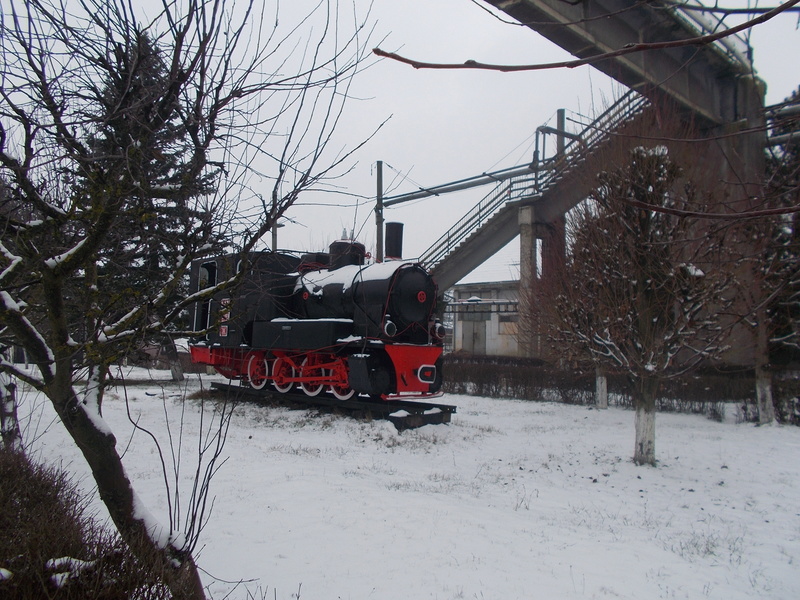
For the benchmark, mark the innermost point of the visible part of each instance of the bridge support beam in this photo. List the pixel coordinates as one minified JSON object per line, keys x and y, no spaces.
{"x":551,"y":238}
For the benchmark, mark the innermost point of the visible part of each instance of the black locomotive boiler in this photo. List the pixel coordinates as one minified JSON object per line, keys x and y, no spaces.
{"x":322,"y":321}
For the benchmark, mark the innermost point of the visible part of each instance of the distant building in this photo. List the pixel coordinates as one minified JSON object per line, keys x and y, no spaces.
{"x":484,"y":318}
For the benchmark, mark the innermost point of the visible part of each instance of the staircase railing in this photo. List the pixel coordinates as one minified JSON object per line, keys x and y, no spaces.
{"x":544,"y":173}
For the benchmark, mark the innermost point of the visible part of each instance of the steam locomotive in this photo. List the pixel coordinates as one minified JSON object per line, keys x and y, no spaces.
{"x":326,"y":322}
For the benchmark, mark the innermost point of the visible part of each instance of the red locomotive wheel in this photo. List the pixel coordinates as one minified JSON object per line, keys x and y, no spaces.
{"x":342,"y":390}
{"x":257,"y":371}
{"x":282,"y":370}
{"x":309,"y":369}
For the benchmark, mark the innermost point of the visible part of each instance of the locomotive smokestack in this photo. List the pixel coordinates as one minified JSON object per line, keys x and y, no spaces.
{"x":394,"y":240}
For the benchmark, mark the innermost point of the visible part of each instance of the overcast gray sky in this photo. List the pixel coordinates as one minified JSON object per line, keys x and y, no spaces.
{"x":448,"y":125}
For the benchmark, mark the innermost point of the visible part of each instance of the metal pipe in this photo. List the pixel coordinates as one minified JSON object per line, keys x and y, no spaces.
{"x":775,"y":114}
{"x":462,"y":184}
{"x":379,"y":213}
{"x":560,"y":133}
{"x":778,"y":140}
{"x":785,"y":111}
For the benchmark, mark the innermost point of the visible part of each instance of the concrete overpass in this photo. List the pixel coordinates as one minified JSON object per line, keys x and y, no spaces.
{"x":710,"y":87}
{"x":713,"y":82}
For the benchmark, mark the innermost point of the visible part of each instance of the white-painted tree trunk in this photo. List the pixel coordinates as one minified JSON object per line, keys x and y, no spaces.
{"x":644,"y":397}
{"x":645,"y":425}
{"x":175,"y":366}
{"x":600,"y":388}
{"x":766,"y":409}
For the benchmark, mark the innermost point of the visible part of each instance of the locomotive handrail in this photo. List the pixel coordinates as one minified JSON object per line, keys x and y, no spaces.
{"x":546,"y":173}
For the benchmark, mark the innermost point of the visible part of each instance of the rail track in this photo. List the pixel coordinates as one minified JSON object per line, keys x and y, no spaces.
{"x":403,"y":414}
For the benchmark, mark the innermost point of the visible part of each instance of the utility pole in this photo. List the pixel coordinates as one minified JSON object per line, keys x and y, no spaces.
{"x":379,"y":214}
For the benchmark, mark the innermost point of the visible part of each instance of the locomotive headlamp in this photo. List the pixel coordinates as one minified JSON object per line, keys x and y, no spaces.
{"x":438,"y":331}
{"x":390,"y":329}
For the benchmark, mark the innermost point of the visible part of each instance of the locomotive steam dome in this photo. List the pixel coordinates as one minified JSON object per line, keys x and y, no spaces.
{"x":346,"y":252}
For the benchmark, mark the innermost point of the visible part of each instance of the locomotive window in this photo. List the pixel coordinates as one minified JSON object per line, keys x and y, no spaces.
{"x":207,"y":275}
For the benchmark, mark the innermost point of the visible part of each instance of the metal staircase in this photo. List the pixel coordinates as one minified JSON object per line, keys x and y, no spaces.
{"x":491,"y":223}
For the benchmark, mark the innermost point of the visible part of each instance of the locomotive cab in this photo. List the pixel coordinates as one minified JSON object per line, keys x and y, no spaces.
{"x":262,"y":294}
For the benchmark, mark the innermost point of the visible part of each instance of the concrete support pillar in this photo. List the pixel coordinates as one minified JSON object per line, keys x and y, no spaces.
{"x":552,"y":237}
{"x":527,"y":280}
{"x":737,"y":155}
{"x":554,"y":248}
{"x":527,"y":246}
{"x":740,"y":142}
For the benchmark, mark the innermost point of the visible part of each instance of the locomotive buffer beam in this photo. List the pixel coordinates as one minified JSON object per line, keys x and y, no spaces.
{"x":403,"y":414}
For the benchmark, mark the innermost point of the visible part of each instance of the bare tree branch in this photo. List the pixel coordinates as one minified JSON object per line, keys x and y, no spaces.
{"x":714,"y":216}
{"x":721,"y":10}
{"x":702,"y":40}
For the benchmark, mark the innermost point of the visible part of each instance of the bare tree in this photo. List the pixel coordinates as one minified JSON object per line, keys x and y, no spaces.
{"x":768,"y":250}
{"x":756,"y":269}
{"x":783,"y":190}
{"x":87,"y":126}
{"x":638,"y":288}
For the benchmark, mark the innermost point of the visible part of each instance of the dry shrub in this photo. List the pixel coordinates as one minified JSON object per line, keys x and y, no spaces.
{"x":507,"y":377}
{"x":786,"y":395}
{"x":53,"y":548}
{"x":704,"y":392}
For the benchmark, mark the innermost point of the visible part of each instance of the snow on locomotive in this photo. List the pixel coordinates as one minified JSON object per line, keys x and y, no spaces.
{"x":323,"y":322}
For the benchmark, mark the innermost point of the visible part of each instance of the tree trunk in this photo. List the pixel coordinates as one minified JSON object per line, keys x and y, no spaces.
{"x":645,"y":393}
{"x":766,"y":409}
{"x":600,"y":388}
{"x":9,"y":424}
{"x":132,"y":520}
{"x":175,"y":366}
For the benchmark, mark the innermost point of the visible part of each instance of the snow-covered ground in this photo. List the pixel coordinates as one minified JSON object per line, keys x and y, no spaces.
{"x":512,"y":500}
